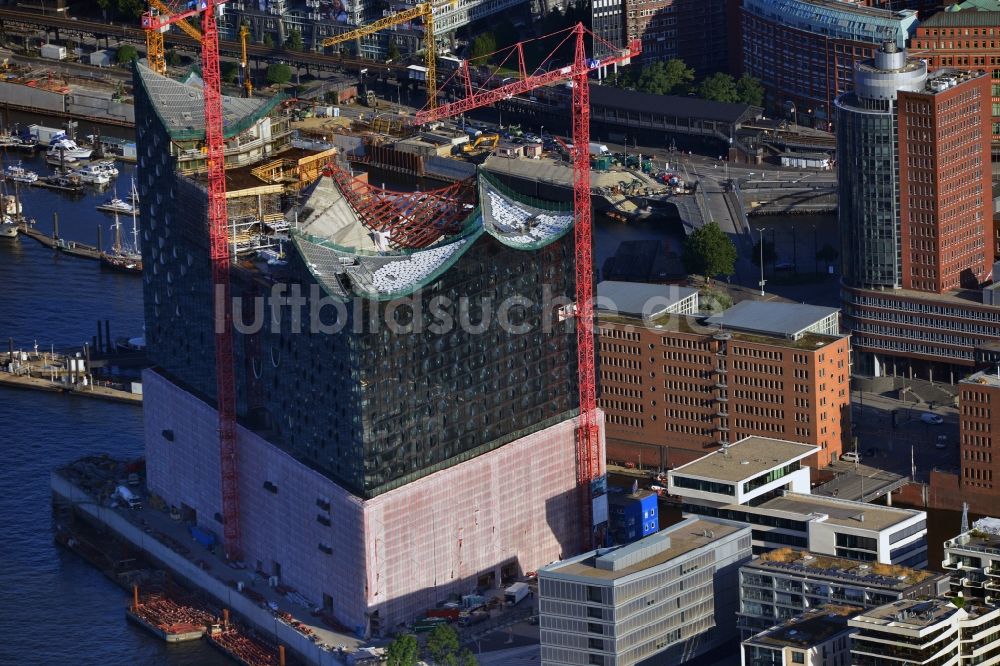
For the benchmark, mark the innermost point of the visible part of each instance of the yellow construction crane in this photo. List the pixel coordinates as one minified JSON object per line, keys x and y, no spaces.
{"x":155,"y":53}
{"x":424,"y":11}
{"x":244,"y":61}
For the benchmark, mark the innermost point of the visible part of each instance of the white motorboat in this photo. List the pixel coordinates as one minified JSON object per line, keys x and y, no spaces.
{"x":8,"y":227}
{"x":18,"y":174}
{"x":92,"y":175}
{"x":107,"y":166}
{"x":66,"y":147}
{"x":116,"y":205}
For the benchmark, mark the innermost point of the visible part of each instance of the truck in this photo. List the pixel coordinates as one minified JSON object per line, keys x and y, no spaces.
{"x":130,"y":499}
{"x":598,"y":149}
{"x":515,"y":593}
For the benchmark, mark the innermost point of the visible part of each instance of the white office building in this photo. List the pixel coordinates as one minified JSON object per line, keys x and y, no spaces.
{"x":672,"y":595}
{"x":934,"y":632}
{"x":973,"y":560}
{"x":759,"y":480}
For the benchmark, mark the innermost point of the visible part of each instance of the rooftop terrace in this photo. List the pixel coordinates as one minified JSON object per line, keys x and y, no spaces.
{"x":839,"y":512}
{"x":907,"y":613}
{"x":746,"y":459}
{"x":809,"y":629}
{"x":664,"y":546}
{"x":874,"y":574}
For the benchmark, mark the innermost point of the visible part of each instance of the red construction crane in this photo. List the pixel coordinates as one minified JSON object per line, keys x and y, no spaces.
{"x":225,"y":382}
{"x":590,"y":463}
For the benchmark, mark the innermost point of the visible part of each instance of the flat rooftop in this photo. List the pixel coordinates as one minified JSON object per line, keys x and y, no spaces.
{"x":746,"y":459}
{"x":678,"y":540}
{"x":827,"y":567}
{"x":907,"y":613}
{"x":840,"y":512}
{"x":985,"y":533}
{"x":983,"y":378}
{"x":791,"y":320}
{"x":809,"y":629}
{"x":639,"y":299}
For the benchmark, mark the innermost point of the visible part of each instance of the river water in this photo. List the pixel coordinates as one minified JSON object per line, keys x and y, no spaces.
{"x":57,"y":609}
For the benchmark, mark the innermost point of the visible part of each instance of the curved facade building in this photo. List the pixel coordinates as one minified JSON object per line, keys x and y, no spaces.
{"x":868,"y":178}
{"x":406,"y":389}
{"x":804,"y":51}
{"x":914,"y":211}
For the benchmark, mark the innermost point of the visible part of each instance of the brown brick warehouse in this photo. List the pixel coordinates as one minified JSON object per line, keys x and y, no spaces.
{"x":676,"y":386}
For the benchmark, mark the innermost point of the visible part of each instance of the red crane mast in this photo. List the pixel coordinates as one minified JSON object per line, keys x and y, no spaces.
{"x":225,"y":380}
{"x":590,"y":463}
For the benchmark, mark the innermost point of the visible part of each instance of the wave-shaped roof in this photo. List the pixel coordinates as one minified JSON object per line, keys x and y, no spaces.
{"x":349,"y":259}
{"x":180,"y":105}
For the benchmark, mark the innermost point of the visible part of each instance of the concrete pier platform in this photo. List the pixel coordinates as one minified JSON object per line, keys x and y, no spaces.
{"x":167,"y":543}
{"x":13,"y":380}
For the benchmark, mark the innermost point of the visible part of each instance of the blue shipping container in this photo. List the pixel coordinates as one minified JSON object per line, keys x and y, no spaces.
{"x":203,"y":536}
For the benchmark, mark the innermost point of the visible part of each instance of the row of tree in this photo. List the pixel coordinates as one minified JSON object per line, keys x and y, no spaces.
{"x":674,"y":77}
{"x":442,"y":646}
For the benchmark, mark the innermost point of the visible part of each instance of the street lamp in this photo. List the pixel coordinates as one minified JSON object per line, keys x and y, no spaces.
{"x":762,"y":280}
{"x":795,"y":114}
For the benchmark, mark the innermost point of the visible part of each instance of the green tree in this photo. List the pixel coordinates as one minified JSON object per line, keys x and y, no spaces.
{"x":279,"y":73}
{"x":268,"y":40}
{"x":403,"y":651}
{"x":665,"y":78}
{"x":294,"y":41}
{"x":466,"y":658}
{"x":131,"y":8}
{"x":718,"y":87}
{"x":173,"y":58}
{"x":709,"y":252}
{"x":126,"y":53}
{"x":442,"y":643}
{"x":482,"y":47}
{"x":769,"y":254}
{"x":750,"y":91}
{"x":228,"y":72}
{"x":393,"y":51}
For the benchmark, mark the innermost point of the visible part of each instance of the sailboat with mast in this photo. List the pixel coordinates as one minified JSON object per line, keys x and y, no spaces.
{"x":124,"y":257}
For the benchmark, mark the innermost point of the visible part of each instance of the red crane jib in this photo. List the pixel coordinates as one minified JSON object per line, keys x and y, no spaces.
{"x":225,"y":378}
{"x":590,"y":463}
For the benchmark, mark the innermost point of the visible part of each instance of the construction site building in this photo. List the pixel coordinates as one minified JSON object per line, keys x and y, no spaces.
{"x":409,"y":432}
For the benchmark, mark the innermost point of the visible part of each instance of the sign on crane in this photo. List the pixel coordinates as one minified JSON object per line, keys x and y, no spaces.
{"x":590,"y":461}
{"x":225,"y":380}
{"x":155,"y":52}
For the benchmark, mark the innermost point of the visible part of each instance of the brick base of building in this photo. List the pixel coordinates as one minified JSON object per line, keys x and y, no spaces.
{"x":374,"y":563}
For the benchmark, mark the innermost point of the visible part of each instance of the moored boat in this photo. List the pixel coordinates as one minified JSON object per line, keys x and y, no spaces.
{"x":18,"y":174}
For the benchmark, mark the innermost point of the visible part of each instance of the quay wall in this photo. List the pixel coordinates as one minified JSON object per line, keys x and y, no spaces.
{"x":190,"y":573}
{"x":30,"y":97}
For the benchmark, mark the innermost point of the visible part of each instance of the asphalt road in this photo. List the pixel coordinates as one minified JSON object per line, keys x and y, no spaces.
{"x":886,"y":447}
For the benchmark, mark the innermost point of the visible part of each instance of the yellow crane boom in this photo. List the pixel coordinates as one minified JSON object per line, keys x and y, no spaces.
{"x":191,"y":31}
{"x":155,"y":52}
{"x":423,"y":11}
{"x":244,"y":61}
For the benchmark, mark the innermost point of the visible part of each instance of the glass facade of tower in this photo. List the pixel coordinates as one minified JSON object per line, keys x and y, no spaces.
{"x":374,"y":404}
{"x":868,"y":191}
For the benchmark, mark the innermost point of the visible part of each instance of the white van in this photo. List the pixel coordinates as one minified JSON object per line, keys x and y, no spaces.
{"x":130,"y":499}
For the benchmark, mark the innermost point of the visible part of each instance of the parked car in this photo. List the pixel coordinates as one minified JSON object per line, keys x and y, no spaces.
{"x":931,"y":419}
{"x":850,"y":457}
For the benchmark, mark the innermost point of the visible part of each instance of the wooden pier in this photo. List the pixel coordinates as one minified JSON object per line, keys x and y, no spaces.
{"x":72,"y":248}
